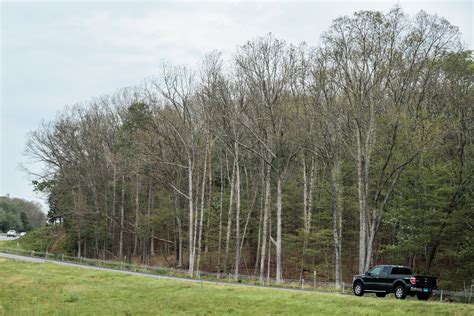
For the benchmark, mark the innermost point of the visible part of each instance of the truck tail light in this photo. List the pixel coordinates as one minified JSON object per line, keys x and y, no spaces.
{"x":413,"y":280}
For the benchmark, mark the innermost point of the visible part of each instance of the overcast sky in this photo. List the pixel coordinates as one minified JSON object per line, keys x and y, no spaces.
{"x":54,"y":54}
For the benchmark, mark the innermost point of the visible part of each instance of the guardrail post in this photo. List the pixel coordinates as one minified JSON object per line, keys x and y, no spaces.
{"x":229,"y":279}
{"x":343,"y":287}
{"x":46,"y":255}
{"x":441,"y":296}
{"x":62,"y":257}
{"x":302,"y":284}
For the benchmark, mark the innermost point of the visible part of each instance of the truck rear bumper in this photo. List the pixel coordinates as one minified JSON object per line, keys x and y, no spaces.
{"x":421,"y":289}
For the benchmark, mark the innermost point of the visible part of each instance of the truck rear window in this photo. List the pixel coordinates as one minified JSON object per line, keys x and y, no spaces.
{"x":404,"y":271}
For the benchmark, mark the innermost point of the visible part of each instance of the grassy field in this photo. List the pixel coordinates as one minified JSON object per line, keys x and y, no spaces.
{"x":50,"y":289}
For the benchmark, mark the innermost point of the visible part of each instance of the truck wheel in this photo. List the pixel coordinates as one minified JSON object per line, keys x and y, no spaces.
{"x":358,"y":289}
{"x":380,"y":294}
{"x":400,"y":292}
{"x":423,"y":296}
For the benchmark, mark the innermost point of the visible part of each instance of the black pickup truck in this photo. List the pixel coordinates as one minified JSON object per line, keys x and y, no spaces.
{"x":399,"y":280}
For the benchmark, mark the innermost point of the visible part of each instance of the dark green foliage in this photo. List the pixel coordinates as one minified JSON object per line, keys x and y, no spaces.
{"x":47,"y":238}
{"x":19,"y":214}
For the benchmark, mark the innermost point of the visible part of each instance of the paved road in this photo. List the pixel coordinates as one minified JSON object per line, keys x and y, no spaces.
{"x":4,"y":237}
{"x":39,"y":260}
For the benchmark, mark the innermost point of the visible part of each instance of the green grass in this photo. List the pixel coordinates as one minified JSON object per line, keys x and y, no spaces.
{"x":51,"y":289}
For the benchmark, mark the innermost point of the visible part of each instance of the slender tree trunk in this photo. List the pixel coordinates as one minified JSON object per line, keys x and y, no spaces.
{"x":370,"y":242}
{"x":206,"y":232}
{"x":122,"y":213}
{"x":196,"y":221}
{"x":114,"y":203}
{"x":278,"y":272}
{"x":209,"y":196}
{"x":219,"y":242}
{"x":336,"y":203}
{"x":106,"y":223}
{"x":79,"y":254}
{"x":237,"y":212}
{"x":229,"y":218}
{"x":191,"y":217}
{"x":203,"y":191}
{"x":76,"y":212}
{"x":179,"y":248}
{"x":307,"y":207}
{"x":266,"y":209}
{"x":361,"y":186}
{"x":260,"y":220}
{"x":259,"y":238}
{"x":269,"y":258}
{"x":244,"y":233}
{"x":150,"y":228}
{"x":137,"y":210}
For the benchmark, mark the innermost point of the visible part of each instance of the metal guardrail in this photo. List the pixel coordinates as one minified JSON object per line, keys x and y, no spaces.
{"x":295,"y":284}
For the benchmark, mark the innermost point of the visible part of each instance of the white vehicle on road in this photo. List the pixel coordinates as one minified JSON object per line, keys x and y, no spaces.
{"x":22,"y":234}
{"x":11,"y":233}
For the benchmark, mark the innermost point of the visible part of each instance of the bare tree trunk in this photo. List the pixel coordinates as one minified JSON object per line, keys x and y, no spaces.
{"x":114,"y":198}
{"x":257,"y":254}
{"x":221,"y":206}
{"x":206,"y":232}
{"x":137,"y":210}
{"x":179,"y":248}
{"x":106,"y":224}
{"x":262,"y":206}
{"x":79,"y":243}
{"x":76,"y":211}
{"x":266,"y":209}
{"x":229,"y":218}
{"x":361,"y":185}
{"x":196,"y":221}
{"x":307,"y":207}
{"x":370,"y":242}
{"x":122,"y":211}
{"x":237,"y":212}
{"x":336,"y":203}
{"x":203,"y":191}
{"x":209,"y":197}
{"x":150,"y":228}
{"x":191,"y":217}
{"x":269,"y":258}
{"x":278,"y":272}
{"x":245,"y":230}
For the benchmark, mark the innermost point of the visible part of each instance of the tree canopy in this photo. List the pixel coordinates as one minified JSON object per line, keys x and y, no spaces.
{"x":281,"y":160}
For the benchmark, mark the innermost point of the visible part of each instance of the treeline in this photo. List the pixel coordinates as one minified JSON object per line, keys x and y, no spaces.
{"x":282,"y":159}
{"x":19,"y":214}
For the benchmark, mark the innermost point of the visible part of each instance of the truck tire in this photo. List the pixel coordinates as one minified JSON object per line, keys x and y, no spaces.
{"x":400,"y":292}
{"x":380,"y":294}
{"x":423,"y":296}
{"x":358,"y":289}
